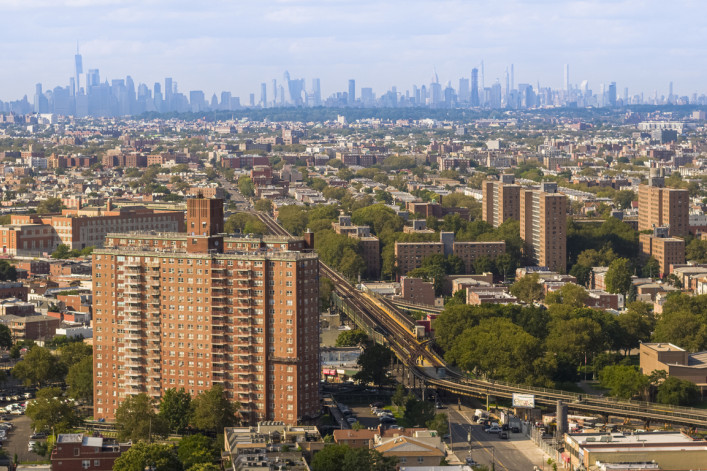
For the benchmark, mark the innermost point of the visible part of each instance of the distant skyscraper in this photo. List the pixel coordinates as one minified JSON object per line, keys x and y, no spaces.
{"x":316,"y":92}
{"x":612,"y":94}
{"x":78,"y":61}
{"x":93,"y":79}
{"x":352,"y":92}
{"x":508,"y":88}
{"x":670,"y":93}
{"x":464,"y":90}
{"x":38,"y":98}
{"x":251,"y":101}
{"x":264,"y":95}
{"x":567,"y":77}
{"x":474,"y":87}
{"x":168,"y":93}
{"x":274,"y":92}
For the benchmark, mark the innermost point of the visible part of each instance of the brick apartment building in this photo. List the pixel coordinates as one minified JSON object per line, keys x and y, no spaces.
{"x":409,"y":255}
{"x":179,"y":310}
{"x":501,"y":200}
{"x":666,"y":250}
{"x":663,"y":207}
{"x":543,"y":226}
{"x":75,"y":451}
{"x":31,"y":234}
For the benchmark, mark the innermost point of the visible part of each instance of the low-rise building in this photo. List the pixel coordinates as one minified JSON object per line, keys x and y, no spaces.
{"x":670,"y":450}
{"x":76,"y":451}
{"x":676,"y":362}
{"x":418,"y":291}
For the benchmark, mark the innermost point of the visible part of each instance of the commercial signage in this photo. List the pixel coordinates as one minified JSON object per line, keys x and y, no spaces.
{"x":524,"y":400}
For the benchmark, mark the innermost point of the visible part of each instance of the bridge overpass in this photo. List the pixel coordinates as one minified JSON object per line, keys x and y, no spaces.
{"x":388,"y":325}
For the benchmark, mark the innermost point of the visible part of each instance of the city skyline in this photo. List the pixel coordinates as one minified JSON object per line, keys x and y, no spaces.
{"x":237,"y":47}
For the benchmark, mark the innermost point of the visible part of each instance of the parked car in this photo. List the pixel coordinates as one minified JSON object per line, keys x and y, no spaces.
{"x":503,"y":435}
{"x":30,"y":445}
{"x":352,"y":420}
{"x":493,"y":429}
{"x":387,"y":420}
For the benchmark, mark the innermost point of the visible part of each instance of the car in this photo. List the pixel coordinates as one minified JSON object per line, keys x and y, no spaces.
{"x":387,"y":420}
{"x":493,"y":429}
{"x":503,"y":435}
{"x":38,"y":436}
{"x":505,"y":427}
{"x":471,"y":462}
{"x":27,"y":395}
{"x":30,"y":445}
{"x":371,"y":390}
{"x":351,"y":420}
{"x":515,"y":429}
{"x":17,"y":412}
{"x":395,"y":427}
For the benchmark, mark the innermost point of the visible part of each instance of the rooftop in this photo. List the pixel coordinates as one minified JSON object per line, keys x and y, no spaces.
{"x":663,"y":347}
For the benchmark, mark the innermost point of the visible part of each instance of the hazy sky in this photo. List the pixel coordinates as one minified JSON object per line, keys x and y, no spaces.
{"x":235,"y":45}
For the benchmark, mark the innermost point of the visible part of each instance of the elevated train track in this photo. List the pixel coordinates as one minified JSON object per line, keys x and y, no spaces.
{"x":428,"y":367}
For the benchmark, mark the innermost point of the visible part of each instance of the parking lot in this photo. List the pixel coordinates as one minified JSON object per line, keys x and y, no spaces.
{"x":17,"y":439}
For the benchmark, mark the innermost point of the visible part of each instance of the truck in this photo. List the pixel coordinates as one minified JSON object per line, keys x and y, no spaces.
{"x":514,"y":424}
{"x":480,"y":414}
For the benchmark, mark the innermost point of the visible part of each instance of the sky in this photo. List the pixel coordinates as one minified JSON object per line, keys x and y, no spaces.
{"x":234,"y":45}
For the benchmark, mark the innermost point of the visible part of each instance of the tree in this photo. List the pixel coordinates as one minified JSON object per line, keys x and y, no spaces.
{"x":74,"y":352}
{"x":293,"y":218}
{"x":62,"y":252}
{"x":528,"y":289}
{"x":570,"y":294}
{"x":212,"y":411}
{"x":136,"y":419}
{"x":439,"y":423}
{"x":142,"y":455}
{"x":678,"y":392}
{"x":204,"y":467}
{"x":326,"y":287}
{"x":8,"y":272}
{"x":197,"y":449}
{"x":618,"y":276}
{"x":38,"y":366}
{"x":696,"y":250}
{"x":345,"y":458}
{"x":624,"y":381}
{"x":636,"y":325}
{"x":48,"y":411}
{"x":651,"y":269}
{"x":399,"y":396}
{"x":263,"y":205}
{"x":246,"y":186}
{"x":351,"y":338}
{"x":418,"y":413}
{"x":683,"y":322}
{"x":498,"y":348}
{"x":79,"y":378}
{"x":49,"y":206}
{"x":175,"y":409}
{"x":5,"y":337}
{"x":374,"y":362}
{"x":624,"y":198}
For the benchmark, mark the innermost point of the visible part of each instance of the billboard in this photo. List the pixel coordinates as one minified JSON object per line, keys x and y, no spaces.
{"x":524,"y":400}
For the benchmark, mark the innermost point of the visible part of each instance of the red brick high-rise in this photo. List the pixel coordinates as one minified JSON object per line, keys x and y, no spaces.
{"x":193,"y":310}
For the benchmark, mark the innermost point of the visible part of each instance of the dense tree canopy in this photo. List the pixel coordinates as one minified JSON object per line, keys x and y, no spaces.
{"x":683,"y":322}
{"x":137,"y":420}
{"x":345,"y":458}
{"x":212,"y":411}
